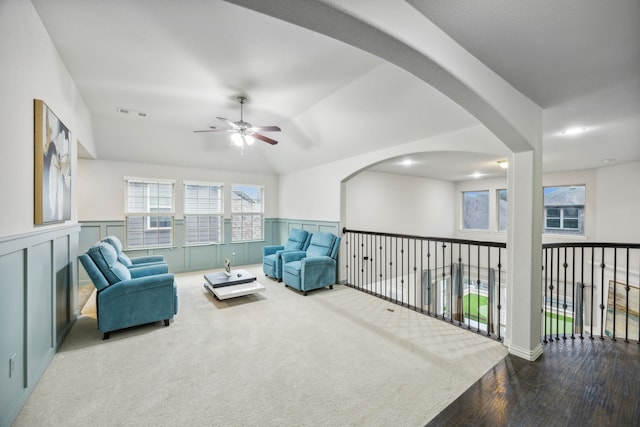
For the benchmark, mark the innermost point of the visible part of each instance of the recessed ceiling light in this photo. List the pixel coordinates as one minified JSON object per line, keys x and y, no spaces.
{"x":407,"y":162}
{"x":605,"y":161}
{"x":573,"y":131}
{"x":477,"y":175}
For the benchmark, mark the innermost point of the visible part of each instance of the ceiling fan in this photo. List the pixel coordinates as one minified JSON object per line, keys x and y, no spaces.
{"x":243,"y":134}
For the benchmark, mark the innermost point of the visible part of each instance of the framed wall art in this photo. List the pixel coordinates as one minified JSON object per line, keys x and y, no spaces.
{"x":52,"y":165}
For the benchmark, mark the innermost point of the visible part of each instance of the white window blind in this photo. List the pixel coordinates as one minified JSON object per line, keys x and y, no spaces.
{"x":247,"y":212}
{"x":149,"y":212}
{"x":203,"y":212}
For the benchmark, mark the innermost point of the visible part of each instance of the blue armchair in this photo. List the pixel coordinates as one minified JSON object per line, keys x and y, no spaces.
{"x":272,"y":255}
{"x":128,"y":297}
{"x":138,"y":261}
{"x":314,"y":268}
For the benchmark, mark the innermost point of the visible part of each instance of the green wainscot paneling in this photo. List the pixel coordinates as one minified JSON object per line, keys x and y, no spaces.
{"x":37,"y":308}
{"x":12,"y":344}
{"x":185,"y":258}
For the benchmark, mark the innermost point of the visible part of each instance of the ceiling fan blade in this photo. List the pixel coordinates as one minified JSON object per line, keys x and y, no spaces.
{"x":216,"y":130}
{"x":229,"y":122}
{"x":264,"y":138}
{"x":266,"y":128}
{"x":211,"y":129}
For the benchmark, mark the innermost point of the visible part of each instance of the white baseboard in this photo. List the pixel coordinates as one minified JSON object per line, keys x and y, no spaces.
{"x":525,"y":353}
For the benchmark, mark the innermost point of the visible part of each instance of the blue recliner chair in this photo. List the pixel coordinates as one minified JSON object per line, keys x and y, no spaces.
{"x":134,"y":262}
{"x":128,"y":297}
{"x":298,"y":240}
{"x":314,"y":268}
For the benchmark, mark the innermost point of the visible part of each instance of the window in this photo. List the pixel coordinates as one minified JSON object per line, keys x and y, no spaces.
{"x":564,"y":209}
{"x":247,"y":212}
{"x":149,"y":212}
{"x":475,"y":211}
{"x":203,"y":212}
{"x":502,"y":210}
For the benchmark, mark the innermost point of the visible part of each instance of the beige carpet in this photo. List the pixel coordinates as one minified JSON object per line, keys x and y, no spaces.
{"x":334,"y":358}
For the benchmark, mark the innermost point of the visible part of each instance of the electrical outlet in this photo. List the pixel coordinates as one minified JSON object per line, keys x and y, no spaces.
{"x":12,"y":365}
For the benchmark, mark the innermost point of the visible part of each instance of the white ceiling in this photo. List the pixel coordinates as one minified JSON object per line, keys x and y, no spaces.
{"x":184,"y":63}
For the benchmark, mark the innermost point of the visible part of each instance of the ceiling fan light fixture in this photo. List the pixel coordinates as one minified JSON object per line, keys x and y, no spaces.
{"x":249,"y":140}
{"x":237,"y":140}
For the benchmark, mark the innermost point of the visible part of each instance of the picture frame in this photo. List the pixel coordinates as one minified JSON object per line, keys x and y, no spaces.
{"x":52,"y":167}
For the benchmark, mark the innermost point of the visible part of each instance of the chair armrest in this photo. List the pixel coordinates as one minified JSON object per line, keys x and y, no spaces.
{"x":146,"y":259}
{"x":290,"y":256}
{"x":137,"y":285}
{"x":148,"y":270}
{"x":318,"y":260}
{"x":272,"y":249}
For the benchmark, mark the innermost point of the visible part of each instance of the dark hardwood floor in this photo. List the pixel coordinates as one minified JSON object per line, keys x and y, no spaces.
{"x":574,"y":383}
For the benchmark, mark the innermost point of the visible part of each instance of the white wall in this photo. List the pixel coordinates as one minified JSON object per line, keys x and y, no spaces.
{"x":101,"y":186}
{"x":618,"y":201}
{"x":400,"y":204}
{"x":315,"y":193}
{"x":31,"y":69}
{"x":611,"y":211}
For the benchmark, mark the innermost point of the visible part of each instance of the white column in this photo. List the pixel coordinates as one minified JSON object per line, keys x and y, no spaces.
{"x":524,"y":251}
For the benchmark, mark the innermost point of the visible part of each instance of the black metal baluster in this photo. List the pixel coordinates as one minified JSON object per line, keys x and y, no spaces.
{"x":573,"y":292}
{"x":478,"y":291}
{"x":615,"y":283}
{"x":627,"y":289}
{"x":451,"y":266}
{"x":348,"y":252}
{"x":422,"y":289}
{"x":401,"y":271}
{"x":444,"y":276}
{"x":489,"y":293}
{"x":593,"y":286}
{"x":381,"y":265}
{"x":499,"y":291}
{"x":557,"y":295}
{"x":437,"y":299}
{"x":582,"y":293}
{"x":415,"y":274}
{"x":602,"y":266}
{"x":564,"y":301}
{"x":430,"y":284}
{"x":469,"y":286}
{"x":545,"y":270}
{"x":386,"y":266}
{"x":395,"y":259}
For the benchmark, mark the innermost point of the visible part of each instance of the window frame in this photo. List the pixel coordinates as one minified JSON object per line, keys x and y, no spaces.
{"x":242,"y":215}
{"x":562,"y":218}
{"x":208,"y":213}
{"x":580,"y":218}
{"x":147,"y":214}
{"x":498,"y":212}
{"x":463,"y":222}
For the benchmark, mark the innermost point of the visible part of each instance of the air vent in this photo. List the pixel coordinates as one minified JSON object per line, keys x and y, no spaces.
{"x":130,"y":112}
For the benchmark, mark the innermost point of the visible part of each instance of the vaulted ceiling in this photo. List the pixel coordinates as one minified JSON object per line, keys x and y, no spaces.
{"x":184,"y":63}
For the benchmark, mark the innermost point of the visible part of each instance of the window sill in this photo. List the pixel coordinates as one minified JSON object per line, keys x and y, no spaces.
{"x":149,"y":248}
{"x":195,"y":245}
